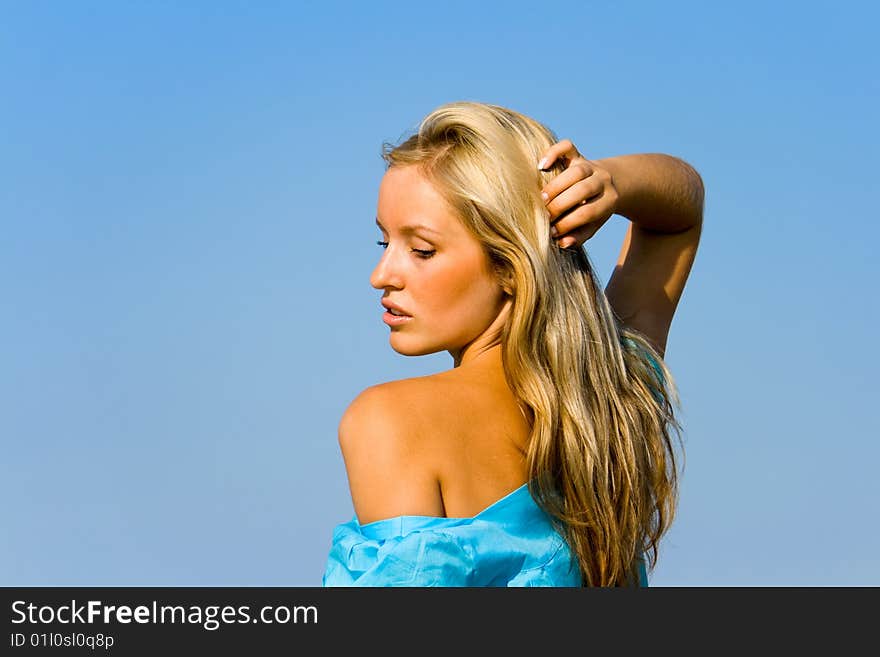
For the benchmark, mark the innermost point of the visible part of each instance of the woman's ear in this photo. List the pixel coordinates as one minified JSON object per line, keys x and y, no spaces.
{"x":506,"y":283}
{"x":504,"y":277}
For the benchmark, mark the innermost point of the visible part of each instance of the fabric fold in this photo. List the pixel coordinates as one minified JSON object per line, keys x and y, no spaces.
{"x":510,"y":543}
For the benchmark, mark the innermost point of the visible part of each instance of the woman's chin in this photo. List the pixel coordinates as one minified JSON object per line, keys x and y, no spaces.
{"x":409,"y":347}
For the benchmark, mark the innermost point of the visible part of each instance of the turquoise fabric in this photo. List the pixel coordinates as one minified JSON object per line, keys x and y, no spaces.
{"x":510,"y":543}
{"x":657,"y":369}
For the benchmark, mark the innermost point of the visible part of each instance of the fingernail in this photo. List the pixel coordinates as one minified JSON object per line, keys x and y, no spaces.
{"x":544,"y":195}
{"x":553,"y":231}
{"x":543,"y":163}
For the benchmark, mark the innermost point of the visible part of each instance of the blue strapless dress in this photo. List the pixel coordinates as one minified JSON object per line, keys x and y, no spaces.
{"x":510,"y":543}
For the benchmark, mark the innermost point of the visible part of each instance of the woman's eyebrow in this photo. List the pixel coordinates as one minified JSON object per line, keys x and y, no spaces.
{"x":410,"y":228}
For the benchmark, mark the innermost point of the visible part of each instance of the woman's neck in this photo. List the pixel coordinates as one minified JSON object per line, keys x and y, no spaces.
{"x":487,"y":347}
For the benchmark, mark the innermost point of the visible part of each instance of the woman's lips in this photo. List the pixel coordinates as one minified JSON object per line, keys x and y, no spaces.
{"x":395,"y":320}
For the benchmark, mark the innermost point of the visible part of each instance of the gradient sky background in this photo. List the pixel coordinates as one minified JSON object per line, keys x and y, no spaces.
{"x":187,"y":202}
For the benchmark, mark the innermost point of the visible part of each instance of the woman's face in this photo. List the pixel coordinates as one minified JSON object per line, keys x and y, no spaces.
{"x":434,"y":271}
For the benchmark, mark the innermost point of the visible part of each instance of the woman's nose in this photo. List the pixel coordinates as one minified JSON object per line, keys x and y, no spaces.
{"x":386,"y":274}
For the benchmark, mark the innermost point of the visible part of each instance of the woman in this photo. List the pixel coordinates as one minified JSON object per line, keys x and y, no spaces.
{"x":544,"y":456}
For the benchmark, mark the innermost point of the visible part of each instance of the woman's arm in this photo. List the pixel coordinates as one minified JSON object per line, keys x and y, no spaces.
{"x":658,"y":192}
{"x":662,"y":196}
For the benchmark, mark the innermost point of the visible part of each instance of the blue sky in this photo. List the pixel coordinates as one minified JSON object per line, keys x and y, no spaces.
{"x":188,"y":205}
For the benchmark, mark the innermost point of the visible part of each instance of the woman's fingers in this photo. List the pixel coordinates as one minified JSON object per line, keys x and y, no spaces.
{"x":570,"y":220}
{"x":578,"y":237}
{"x":578,"y":202}
{"x":586,"y":218}
{"x":573,"y":195}
{"x":564,"y":149}
{"x":579,"y":170}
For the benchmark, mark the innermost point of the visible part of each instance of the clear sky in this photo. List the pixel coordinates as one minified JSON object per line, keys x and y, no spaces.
{"x":187,"y":205}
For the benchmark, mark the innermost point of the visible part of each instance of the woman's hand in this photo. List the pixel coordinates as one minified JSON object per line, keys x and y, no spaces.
{"x":580,"y":199}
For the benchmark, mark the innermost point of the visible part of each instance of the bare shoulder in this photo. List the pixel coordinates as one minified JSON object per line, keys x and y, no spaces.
{"x":387,"y":453}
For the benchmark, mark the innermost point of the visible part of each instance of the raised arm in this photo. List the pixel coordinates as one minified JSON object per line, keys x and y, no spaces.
{"x":662,"y":196}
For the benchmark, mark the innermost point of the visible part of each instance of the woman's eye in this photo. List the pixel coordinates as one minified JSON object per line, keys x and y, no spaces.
{"x":422,"y":253}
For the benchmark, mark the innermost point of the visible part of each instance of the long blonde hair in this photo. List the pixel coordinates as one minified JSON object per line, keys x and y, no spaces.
{"x":598,"y":396}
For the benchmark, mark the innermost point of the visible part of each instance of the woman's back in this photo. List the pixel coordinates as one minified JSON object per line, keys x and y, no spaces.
{"x":482,"y":435}
{"x":456,"y":510}
{"x":450,"y":444}
{"x":460,"y":511}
